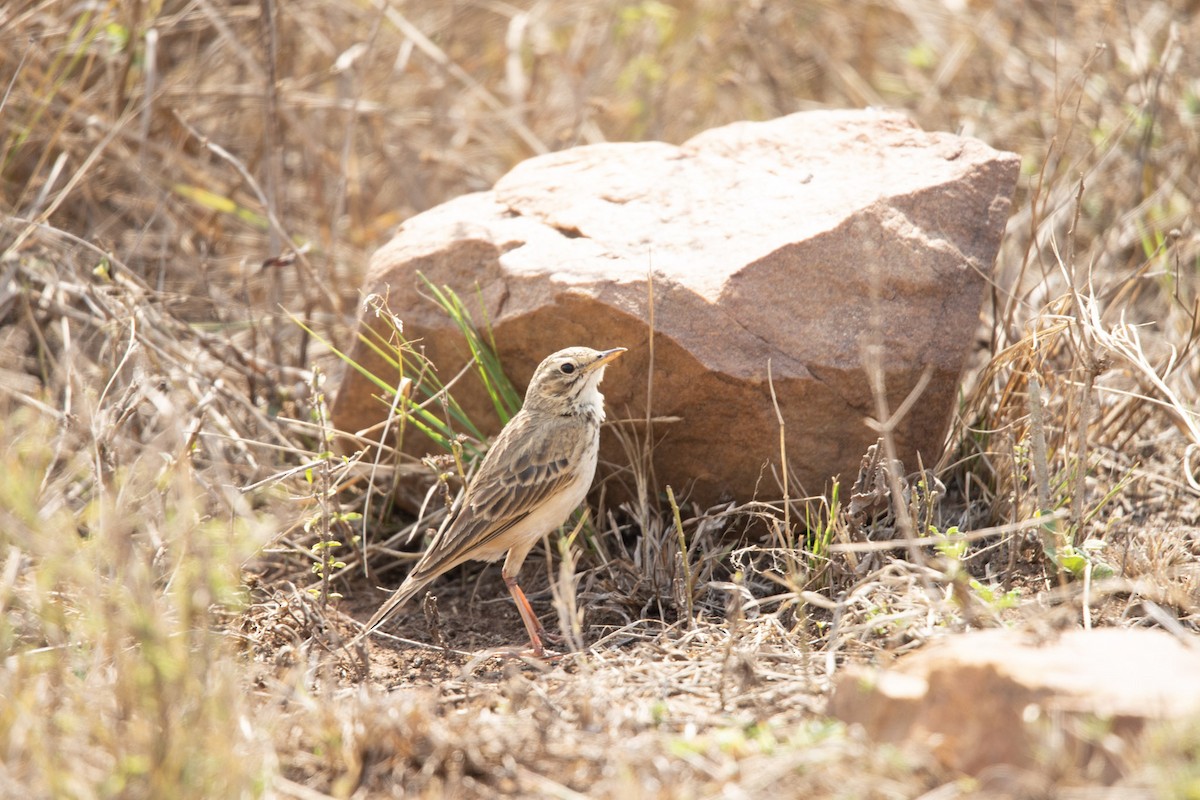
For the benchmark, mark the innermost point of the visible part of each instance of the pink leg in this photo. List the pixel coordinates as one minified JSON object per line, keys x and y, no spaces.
{"x":532,"y":625}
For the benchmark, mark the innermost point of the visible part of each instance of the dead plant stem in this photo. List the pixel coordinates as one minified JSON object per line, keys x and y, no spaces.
{"x":683,"y":555}
{"x":783,"y":461}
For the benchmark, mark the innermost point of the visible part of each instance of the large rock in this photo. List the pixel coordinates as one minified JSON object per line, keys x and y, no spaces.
{"x":999,"y":697}
{"x":766,"y":241}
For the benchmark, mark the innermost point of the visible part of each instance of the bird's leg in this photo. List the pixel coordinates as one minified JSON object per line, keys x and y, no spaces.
{"x":532,"y":625}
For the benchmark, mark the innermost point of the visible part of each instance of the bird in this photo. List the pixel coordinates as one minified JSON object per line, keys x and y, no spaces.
{"x":536,"y":472}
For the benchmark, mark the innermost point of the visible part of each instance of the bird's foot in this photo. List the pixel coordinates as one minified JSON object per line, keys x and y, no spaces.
{"x":542,"y":654}
{"x":552,"y":638}
{"x":538,"y":659}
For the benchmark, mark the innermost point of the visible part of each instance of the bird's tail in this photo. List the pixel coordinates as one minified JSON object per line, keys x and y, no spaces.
{"x":406,"y":592}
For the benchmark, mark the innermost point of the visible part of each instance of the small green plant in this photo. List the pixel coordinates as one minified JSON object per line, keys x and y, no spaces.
{"x":996,"y":598}
{"x":324,"y":565}
{"x":413,"y":370}
{"x":328,"y":516}
{"x":482,"y":344}
{"x":822,"y":526}
{"x":1077,"y":561}
{"x":948,"y":543}
{"x":955,"y":550}
{"x":450,"y":431}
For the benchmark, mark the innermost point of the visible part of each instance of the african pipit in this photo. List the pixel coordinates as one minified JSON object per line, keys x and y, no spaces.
{"x":536,"y":472}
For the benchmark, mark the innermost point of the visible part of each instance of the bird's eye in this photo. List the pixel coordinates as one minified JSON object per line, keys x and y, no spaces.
{"x":567,"y":369}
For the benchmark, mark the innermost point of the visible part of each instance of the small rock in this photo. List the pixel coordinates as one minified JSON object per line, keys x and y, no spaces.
{"x":766,"y":242}
{"x":1002,"y":698}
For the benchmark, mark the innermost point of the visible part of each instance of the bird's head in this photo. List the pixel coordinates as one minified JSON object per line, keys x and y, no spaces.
{"x":568,"y":377}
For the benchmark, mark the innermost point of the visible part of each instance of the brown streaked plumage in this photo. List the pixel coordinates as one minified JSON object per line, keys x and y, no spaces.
{"x":535,"y":474}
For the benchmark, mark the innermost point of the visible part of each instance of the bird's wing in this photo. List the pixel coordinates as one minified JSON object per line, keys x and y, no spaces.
{"x":531,"y":460}
{"x":526,"y":465}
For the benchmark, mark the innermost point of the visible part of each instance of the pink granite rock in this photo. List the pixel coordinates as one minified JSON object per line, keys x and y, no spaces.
{"x":991,"y":698}
{"x":765,"y":241}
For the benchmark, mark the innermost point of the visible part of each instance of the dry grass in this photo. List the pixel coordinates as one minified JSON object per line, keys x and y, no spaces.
{"x":184,"y":183}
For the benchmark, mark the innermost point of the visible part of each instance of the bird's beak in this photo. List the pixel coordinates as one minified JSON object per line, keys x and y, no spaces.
{"x":606,"y":356}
